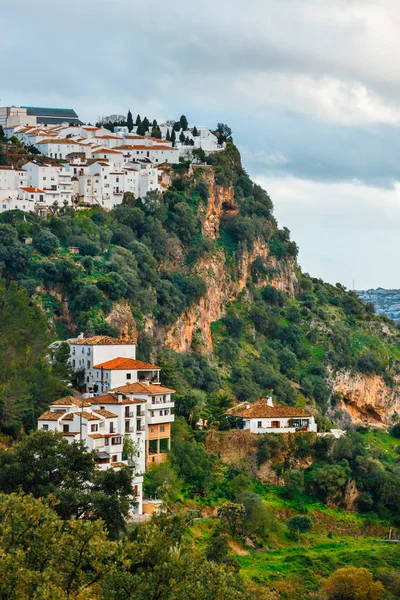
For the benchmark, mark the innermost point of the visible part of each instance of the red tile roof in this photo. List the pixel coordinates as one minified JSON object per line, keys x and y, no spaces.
{"x":32,"y":190}
{"x":100,"y":340}
{"x":50,"y":415}
{"x":104,"y":413}
{"x":71,"y":401}
{"x":260,"y":409}
{"x":124,"y":364}
{"x":143,"y":388}
{"x":111,"y":399}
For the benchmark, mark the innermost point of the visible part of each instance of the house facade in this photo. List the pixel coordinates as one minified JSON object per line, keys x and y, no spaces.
{"x":266,"y":416}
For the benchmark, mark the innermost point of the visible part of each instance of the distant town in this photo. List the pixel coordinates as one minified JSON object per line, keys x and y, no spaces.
{"x":73,"y":164}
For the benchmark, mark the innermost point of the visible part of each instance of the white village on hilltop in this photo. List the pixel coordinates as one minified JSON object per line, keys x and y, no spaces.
{"x":125,"y":415}
{"x":82,"y":165}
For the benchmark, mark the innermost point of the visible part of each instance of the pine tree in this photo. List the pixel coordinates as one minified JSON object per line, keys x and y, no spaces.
{"x":173,"y":138}
{"x":129,"y":121}
{"x":168,"y":137}
{"x":195,"y":132}
{"x":183,"y":122}
{"x":138,"y":121}
{"x":182,"y":137}
{"x":155,"y":124}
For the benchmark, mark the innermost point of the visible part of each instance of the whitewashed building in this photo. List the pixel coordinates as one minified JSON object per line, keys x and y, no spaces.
{"x":265,"y":416}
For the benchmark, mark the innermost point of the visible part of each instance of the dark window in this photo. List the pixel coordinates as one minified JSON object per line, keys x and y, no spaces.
{"x":259,"y":424}
{"x":65,"y":428}
{"x":128,"y":375}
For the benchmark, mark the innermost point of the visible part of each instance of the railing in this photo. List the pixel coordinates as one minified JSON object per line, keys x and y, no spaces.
{"x":129,"y":429}
{"x":140,"y":428}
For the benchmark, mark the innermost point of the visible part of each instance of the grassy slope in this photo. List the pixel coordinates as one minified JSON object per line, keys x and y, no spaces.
{"x":339,"y":538}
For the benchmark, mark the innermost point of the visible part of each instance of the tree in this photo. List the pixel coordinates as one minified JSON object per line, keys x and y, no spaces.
{"x":146,"y":124}
{"x":183,"y":122}
{"x":173,"y":138}
{"x":46,"y":242}
{"x":299,"y":524}
{"x":218,"y":551}
{"x":168,"y":136}
{"x":129,"y":121}
{"x":176,"y":126}
{"x":138,"y":121}
{"x":232,"y":514}
{"x":294,"y":484}
{"x":225,"y":133}
{"x":182,"y":137}
{"x":352,"y":583}
{"x":195,"y":132}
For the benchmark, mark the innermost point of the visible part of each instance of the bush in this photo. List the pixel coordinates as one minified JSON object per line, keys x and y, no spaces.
{"x":46,"y":242}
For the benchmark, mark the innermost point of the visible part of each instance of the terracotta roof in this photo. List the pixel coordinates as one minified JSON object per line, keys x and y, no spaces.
{"x":260,"y":409}
{"x":50,"y":415}
{"x":70,"y":433}
{"x":100,"y":340}
{"x":143,"y":388}
{"x":89,"y":416}
{"x":105,"y":413}
{"x":97,"y":436}
{"x":71,"y":401}
{"x":151,"y":147}
{"x":32,"y":190}
{"x":111,"y":399}
{"x":5,"y":168}
{"x":105,"y":151}
{"x":118,"y":465}
{"x":68,"y":417}
{"x":124,"y":364}
{"x":57,"y":141}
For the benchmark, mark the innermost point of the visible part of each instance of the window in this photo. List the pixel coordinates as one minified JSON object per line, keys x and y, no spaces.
{"x":129,"y":375}
{"x":276,"y":424}
{"x":259,"y":424}
{"x":112,"y":430}
{"x":73,"y":363}
{"x":162,"y":428}
{"x":151,"y":429}
{"x":107,"y":441}
{"x":94,"y":427}
{"x":45,"y":427}
{"x":115,"y":441}
{"x":65,"y":428}
{"x":114,"y":458}
{"x":88,"y":364}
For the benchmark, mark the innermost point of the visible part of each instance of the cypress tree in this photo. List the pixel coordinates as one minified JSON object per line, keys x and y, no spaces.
{"x":140,"y":129}
{"x":138,"y":121}
{"x":195,"y":132}
{"x":168,"y":136}
{"x":183,"y":122}
{"x":182,"y":137}
{"x":173,"y":137}
{"x":155,"y":124}
{"x":146,"y":124}
{"x":129,"y":121}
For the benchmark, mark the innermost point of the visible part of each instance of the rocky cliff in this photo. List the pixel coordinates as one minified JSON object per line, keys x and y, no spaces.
{"x":367,"y":398}
{"x":224,"y":282}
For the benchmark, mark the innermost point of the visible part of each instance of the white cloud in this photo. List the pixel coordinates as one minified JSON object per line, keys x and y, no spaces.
{"x":345,"y":231}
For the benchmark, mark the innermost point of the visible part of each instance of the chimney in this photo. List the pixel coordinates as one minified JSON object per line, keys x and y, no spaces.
{"x":119,"y":397}
{"x":80,"y":336}
{"x":269,"y":402}
{"x":247,"y":406}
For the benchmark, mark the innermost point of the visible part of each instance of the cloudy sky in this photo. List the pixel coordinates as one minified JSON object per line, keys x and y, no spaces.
{"x":311,"y":89}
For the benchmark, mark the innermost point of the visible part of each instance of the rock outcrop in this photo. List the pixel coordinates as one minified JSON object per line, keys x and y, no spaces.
{"x":367,"y":398}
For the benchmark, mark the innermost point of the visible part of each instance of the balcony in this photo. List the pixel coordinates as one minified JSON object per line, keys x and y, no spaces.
{"x":157,"y":419}
{"x":129,"y":429}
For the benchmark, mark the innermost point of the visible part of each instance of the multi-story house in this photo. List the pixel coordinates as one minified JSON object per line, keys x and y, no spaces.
{"x":101,"y":425}
{"x":138,"y":407}
{"x":87,"y":352}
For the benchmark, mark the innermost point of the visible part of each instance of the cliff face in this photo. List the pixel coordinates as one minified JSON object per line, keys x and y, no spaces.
{"x":367,"y":398}
{"x":224,"y":283}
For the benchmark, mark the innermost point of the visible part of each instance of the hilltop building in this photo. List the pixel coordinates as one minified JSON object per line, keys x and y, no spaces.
{"x":138,"y":407}
{"x":265,"y":416}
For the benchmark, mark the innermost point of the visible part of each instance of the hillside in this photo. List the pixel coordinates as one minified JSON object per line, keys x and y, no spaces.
{"x":206,"y":282}
{"x":386,"y":302}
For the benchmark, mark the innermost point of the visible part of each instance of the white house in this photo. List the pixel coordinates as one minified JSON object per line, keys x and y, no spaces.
{"x":119,"y":371}
{"x":12,"y":203}
{"x":10,"y":180}
{"x":265,"y":416}
{"x":87,"y":352}
{"x":57,"y":147}
{"x":53,"y":179}
{"x":102,"y":428}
